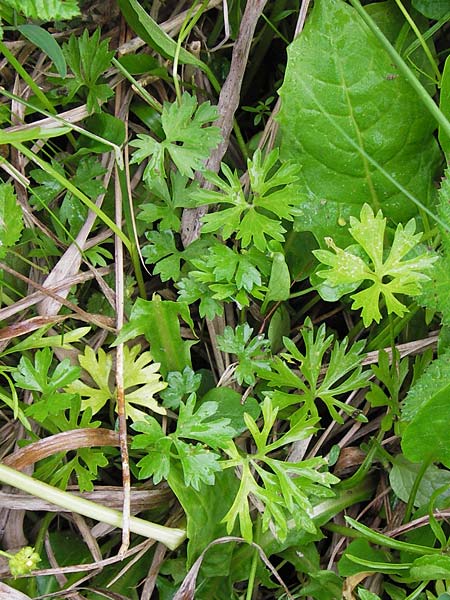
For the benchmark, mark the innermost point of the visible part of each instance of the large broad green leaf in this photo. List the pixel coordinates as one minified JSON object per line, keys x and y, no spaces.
{"x":45,"y":10}
{"x":404,"y":474}
{"x":343,"y":101}
{"x":433,"y":9}
{"x":426,"y":437}
{"x":431,"y":567}
{"x":435,"y":380}
{"x":205,"y":511}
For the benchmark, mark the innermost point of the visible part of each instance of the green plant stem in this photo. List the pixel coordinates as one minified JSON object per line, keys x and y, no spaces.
{"x":323,"y":512}
{"x":240,"y":140}
{"x":415,"y":594}
{"x":412,"y":496}
{"x":132,"y":233}
{"x":426,"y":99}
{"x":342,"y":530}
{"x":186,"y":28}
{"x":171,"y":537}
{"x":26,"y":77}
{"x":365,"y":466}
{"x":252,"y":574}
{"x":75,"y":191}
{"x":419,"y":36}
{"x":427,"y":35}
{"x":114,"y":147}
{"x":139,"y":88}
{"x":383,"y":540}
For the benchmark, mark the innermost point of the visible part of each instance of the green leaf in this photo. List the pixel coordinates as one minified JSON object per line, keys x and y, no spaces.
{"x":223,"y":273}
{"x":338,"y":76}
{"x":105,"y":126}
{"x":433,"y":9}
{"x":231,"y":407}
{"x":148,"y":30}
{"x":38,"y":378}
{"x":190,"y":290}
{"x":11,"y":218}
{"x":188,"y":141}
{"x":344,"y":373}
{"x":42,"y":39}
{"x":199,"y":465}
{"x":205,"y":424}
{"x":431,"y":567}
{"x":158,"y":320}
{"x":444,"y":98}
{"x":435,"y":291}
{"x":366,"y":595}
{"x":88,"y":58}
{"x":403,"y":475}
{"x":252,"y":354}
{"x":426,"y":436}
{"x":37,"y":340}
{"x":99,"y":368}
{"x":280,"y":280}
{"x":180,"y":385}
{"x":166,"y":201}
{"x":141,"y":381}
{"x":257,"y":217}
{"x":163,"y":251}
{"x":434,"y":381}
{"x":388,"y":277}
{"x":204,"y":511}
{"x":282,"y":487}
{"x":46,"y":10}
{"x":359,"y":548}
{"x":156,"y":463}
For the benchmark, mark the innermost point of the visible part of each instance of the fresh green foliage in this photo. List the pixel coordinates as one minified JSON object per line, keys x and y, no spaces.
{"x":41,"y":38}
{"x":237,"y":404}
{"x":389,"y":276}
{"x":426,"y":435}
{"x":252,"y":353}
{"x":345,"y":88}
{"x":224,"y":274}
{"x":72,"y":212}
{"x":168,"y":197}
{"x":198,"y":463}
{"x":392,"y":377}
{"x":179,"y":386}
{"x":255,"y":218}
{"x":11,"y":219}
{"x":435,"y":291}
{"x":343,"y":373}
{"x":46,"y":383}
{"x":45,"y":10}
{"x":188,"y":142}
{"x":434,"y":382}
{"x":404,"y":474}
{"x":157,"y":319}
{"x":284,"y":486}
{"x":141,"y":379}
{"x":88,"y":58}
